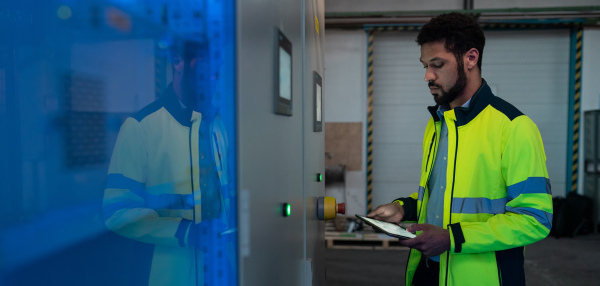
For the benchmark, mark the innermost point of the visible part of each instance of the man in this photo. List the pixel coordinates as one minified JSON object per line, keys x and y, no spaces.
{"x":484,"y":190}
{"x":168,"y":182}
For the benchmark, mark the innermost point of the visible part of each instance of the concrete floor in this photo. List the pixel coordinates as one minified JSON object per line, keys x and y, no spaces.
{"x":564,"y":261}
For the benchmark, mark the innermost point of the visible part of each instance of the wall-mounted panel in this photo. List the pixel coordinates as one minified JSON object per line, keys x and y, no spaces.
{"x":270,"y":147}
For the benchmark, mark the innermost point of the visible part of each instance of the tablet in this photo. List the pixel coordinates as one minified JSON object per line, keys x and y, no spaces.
{"x":389,"y":228}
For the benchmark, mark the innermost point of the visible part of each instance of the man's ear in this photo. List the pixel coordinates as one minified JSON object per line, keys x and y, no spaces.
{"x":471,"y":58}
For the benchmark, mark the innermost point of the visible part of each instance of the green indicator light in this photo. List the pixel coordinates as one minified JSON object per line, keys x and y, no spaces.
{"x":319,"y":177}
{"x":286,"y":210}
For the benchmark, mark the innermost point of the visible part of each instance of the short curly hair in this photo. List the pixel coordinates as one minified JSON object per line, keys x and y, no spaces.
{"x":460,"y":33}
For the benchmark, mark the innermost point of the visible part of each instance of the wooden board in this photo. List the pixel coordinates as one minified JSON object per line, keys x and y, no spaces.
{"x":343,"y":145}
{"x":366,"y":239}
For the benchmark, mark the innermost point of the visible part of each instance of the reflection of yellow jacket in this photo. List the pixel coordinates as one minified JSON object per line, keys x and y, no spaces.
{"x":153,"y":189}
{"x":499,"y":198}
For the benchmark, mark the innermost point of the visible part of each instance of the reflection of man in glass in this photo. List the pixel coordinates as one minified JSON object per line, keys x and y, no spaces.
{"x":167,"y":180}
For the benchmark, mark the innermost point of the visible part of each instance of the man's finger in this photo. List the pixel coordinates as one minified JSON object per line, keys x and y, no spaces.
{"x":418,"y":226}
{"x":376,"y":212}
{"x":372,"y":214}
{"x":411,"y":242}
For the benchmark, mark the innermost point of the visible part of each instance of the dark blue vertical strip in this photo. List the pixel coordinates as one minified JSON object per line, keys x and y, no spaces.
{"x":11,"y":197}
{"x":511,"y":268}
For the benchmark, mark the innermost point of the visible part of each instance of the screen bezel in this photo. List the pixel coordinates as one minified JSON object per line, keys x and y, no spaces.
{"x":365,"y":219}
{"x":283,"y":106}
{"x":318,"y":105}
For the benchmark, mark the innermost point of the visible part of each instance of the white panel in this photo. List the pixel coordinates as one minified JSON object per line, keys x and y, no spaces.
{"x":344,"y":99}
{"x":396,"y":164}
{"x":390,"y":5}
{"x":416,"y":5}
{"x":394,"y":123}
{"x":526,"y":68}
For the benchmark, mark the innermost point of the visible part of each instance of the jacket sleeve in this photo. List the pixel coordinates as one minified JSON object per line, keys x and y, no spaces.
{"x":126,"y":205}
{"x":410,"y":207}
{"x":527,"y":216}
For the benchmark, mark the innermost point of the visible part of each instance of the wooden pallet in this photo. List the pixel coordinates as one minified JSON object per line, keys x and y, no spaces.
{"x":365,"y":239}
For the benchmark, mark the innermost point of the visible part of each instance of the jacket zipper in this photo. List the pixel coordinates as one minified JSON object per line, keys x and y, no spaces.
{"x":451,"y":197}
{"x":429,"y":155}
{"x":194,"y":201}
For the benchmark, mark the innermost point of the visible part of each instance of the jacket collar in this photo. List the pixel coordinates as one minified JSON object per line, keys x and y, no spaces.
{"x":482,"y":98}
{"x":173,"y":106}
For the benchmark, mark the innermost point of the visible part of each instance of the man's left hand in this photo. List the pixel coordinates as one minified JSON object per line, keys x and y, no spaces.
{"x":433,"y":241}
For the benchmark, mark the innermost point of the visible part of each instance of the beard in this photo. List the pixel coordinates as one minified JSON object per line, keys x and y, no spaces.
{"x":189,"y":89}
{"x":448,"y":96}
{"x":195,"y":96}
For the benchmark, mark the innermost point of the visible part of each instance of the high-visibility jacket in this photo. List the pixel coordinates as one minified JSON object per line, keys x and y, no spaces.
{"x":498,"y":198}
{"x":153,"y":189}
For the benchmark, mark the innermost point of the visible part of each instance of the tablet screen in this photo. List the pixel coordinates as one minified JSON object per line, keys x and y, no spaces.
{"x":389,"y":228}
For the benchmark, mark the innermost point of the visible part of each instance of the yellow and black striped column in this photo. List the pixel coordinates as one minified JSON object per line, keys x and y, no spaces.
{"x":370,"y":122}
{"x":576,"y":106}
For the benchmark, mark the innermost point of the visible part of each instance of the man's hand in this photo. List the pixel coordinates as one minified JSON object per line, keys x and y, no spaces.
{"x":433,"y":241}
{"x":393,"y":213}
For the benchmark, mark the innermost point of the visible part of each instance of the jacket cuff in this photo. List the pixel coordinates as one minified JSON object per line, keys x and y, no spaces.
{"x":182,"y":230}
{"x":410,"y":208}
{"x":457,"y":236}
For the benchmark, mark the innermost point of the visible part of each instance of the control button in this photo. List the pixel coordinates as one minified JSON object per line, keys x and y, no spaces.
{"x":341,"y":208}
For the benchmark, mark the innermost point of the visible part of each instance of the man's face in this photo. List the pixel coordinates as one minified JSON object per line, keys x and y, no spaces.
{"x":445,"y":75}
{"x":192,"y":96}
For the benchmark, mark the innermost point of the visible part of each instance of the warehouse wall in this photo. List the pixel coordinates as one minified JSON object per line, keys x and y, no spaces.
{"x":590,"y":94}
{"x":416,"y":5}
{"x":345,"y":100}
{"x":345,"y":59}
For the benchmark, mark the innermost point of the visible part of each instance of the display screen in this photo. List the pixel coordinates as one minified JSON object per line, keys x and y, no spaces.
{"x":285,"y":74}
{"x":318,"y":97}
{"x":319,"y":103}
{"x":389,"y":228}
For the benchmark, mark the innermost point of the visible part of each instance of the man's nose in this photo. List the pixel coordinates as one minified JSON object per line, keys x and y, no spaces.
{"x":429,"y":75}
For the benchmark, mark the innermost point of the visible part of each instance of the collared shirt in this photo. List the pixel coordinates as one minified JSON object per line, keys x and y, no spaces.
{"x":437,"y":179}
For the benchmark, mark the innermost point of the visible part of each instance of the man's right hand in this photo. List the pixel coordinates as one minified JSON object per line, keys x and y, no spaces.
{"x":393,"y":213}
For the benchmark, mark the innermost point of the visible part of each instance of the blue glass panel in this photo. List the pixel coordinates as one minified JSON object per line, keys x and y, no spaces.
{"x":117,"y":153}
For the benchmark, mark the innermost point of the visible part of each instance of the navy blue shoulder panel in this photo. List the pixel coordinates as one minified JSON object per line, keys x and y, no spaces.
{"x":506,"y":108}
{"x":480,"y":100}
{"x":149,"y":109}
{"x":170,"y":102}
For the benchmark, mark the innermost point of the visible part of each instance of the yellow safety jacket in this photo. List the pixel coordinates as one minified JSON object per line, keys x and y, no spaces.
{"x":153,"y":187}
{"x":499,"y":197}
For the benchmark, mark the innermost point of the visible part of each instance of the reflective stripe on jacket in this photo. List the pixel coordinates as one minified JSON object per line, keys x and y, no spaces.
{"x":153,"y":189}
{"x":498,"y":198}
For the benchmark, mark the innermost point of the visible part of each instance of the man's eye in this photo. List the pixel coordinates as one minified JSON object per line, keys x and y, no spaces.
{"x":438,"y":66}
